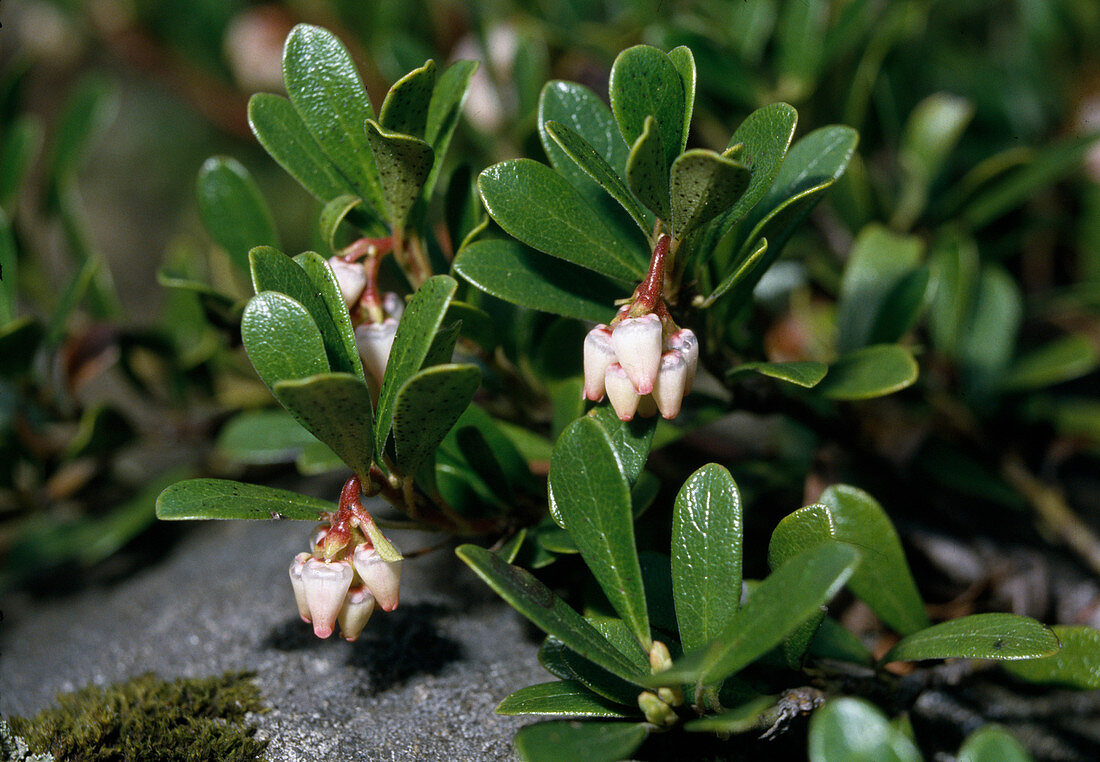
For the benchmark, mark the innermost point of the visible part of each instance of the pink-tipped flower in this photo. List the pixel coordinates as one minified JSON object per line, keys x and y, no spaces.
{"x":382,"y":578}
{"x":671,"y":383}
{"x":685,"y":342}
{"x":598,"y":354}
{"x":637,"y":343}
{"x":299,"y":586}
{"x":620,"y":391}
{"x":374,"y":341}
{"x":326,"y":586}
{"x":393,"y":305}
{"x":351,"y":277}
{"x":355,"y":612}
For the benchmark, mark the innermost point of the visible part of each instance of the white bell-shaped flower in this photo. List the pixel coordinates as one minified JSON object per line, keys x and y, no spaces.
{"x":671,"y":383}
{"x":598,"y":354}
{"x":685,"y":343}
{"x":375,"y":341}
{"x":382,"y":578}
{"x":620,"y":391}
{"x":637,"y":343}
{"x":352,"y":278}
{"x":326,"y":586}
{"x":358,"y":606}
{"x":299,"y":586}
{"x":393,"y":305}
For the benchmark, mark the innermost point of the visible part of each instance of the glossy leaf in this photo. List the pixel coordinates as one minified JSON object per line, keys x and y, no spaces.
{"x":285,"y":136}
{"x":804,"y":529}
{"x":225,"y":499}
{"x":873,"y":371}
{"x":954,"y":270}
{"x":1061,"y":360}
{"x":86,"y":114}
{"x":630,"y":439}
{"x":989,"y":341}
{"x":594,"y":741}
{"x":598,"y":679}
{"x":592,"y":498}
{"x":883,"y":581}
{"x":744,"y":718}
{"x":855,"y":730}
{"x":404,"y":163}
{"x":647,"y":173}
{"x":514,"y":273}
{"x":333,"y":214}
{"x":328,"y":95}
{"x":262,"y":437}
{"x":1004,"y":637}
{"x":281,"y":339}
{"x":902,"y":308}
{"x":745,"y":270}
{"x":443,"y":112}
{"x":703,"y":185}
{"x":233,"y":210}
{"x":800,"y":44}
{"x":427,"y":407}
{"x":322,"y":277}
{"x":536,"y":205}
{"x":684,"y":62}
{"x":564,"y":698}
{"x":645,"y":82}
{"x":879,"y":260}
{"x":535,"y":601}
{"x":405,"y":108}
{"x":1076,"y":665}
{"x":706,"y":555}
{"x":833,"y":641}
{"x":931,"y":133}
{"x":335,"y":408}
{"x":415,"y":333}
{"x":589,"y":159}
{"x":804,"y":373}
{"x":992,"y":743}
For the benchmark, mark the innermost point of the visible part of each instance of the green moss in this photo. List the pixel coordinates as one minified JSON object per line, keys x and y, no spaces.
{"x":150,"y":720}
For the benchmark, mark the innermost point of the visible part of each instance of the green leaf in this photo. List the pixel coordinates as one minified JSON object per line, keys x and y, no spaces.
{"x":646,"y":171}
{"x":800,"y":45}
{"x":902,"y":307}
{"x":804,"y":373}
{"x":101,"y":432}
{"x":328,"y":95}
{"x":631,"y":439}
{"x":285,"y":136}
{"x":746,"y":269}
{"x":788,"y":597}
{"x":535,"y":601}
{"x":86,"y":114}
{"x":1004,"y":637}
{"x":931,"y":133}
{"x":746,"y":717}
{"x":414,"y":337}
{"x":9,"y":273}
{"x":703,"y":186}
{"x":992,"y":743}
{"x":262,"y":437}
{"x":281,"y":339}
{"x":562,"y":741}
{"x":404,"y":163}
{"x":883,"y":580}
{"x":873,"y":371}
{"x":21,"y":142}
{"x":427,"y":407}
{"x":335,"y":408}
{"x":224,"y":499}
{"x":1061,"y":360}
{"x":233,"y":210}
{"x":706,"y":555}
{"x":405,"y":108}
{"x":684,"y":62}
{"x":645,"y":82}
{"x":592,"y":498}
{"x":833,"y":641}
{"x":536,"y":205}
{"x":598,"y":679}
{"x":804,"y":529}
{"x":512,"y":272}
{"x":855,"y":730}
{"x":333,"y":214}
{"x":1077,"y":665}
{"x":274,"y":271}
{"x":443,"y":112}
{"x":563,"y":698}
{"x":879,"y":261}
{"x":324,"y":282}
{"x":989,"y":342}
{"x":596,"y":166}
{"x":954,"y":281}
{"x":582,"y":111}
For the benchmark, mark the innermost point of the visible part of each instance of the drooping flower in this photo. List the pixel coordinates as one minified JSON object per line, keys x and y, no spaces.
{"x":326,"y":585}
{"x":351,"y":277}
{"x":299,"y":585}
{"x":637,"y":343}
{"x":685,"y":343}
{"x":598,"y":354}
{"x":620,"y":392}
{"x":382,"y":578}
{"x":668,"y":392}
{"x":353,"y":616}
{"x":375,"y":341}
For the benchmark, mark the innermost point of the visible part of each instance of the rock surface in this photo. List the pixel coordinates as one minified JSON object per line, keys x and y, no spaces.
{"x":420,"y":683}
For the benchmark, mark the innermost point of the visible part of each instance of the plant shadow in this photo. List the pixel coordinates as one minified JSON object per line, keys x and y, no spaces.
{"x":401,"y":645}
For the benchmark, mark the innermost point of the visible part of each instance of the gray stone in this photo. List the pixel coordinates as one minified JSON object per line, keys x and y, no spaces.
{"x":420,"y":683}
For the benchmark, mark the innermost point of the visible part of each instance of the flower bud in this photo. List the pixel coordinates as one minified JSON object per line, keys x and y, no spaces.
{"x":598,"y":354}
{"x":299,"y":586}
{"x":317,"y":536}
{"x":685,"y":342}
{"x":620,"y":391}
{"x":393,"y":305}
{"x":671,"y":383}
{"x":353,"y":616}
{"x":656,"y":711}
{"x":352,"y":278}
{"x":374,"y":341}
{"x":382,"y":578}
{"x":326,"y":585}
{"x":637,"y":343}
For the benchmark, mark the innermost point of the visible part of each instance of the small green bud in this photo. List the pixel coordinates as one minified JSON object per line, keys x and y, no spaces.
{"x":656,"y":711}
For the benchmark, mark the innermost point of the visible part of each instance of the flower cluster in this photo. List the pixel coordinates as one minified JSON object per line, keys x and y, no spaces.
{"x":643,"y":362}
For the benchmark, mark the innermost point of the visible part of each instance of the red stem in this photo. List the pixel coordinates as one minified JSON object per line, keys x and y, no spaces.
{"x":648,"y":294}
